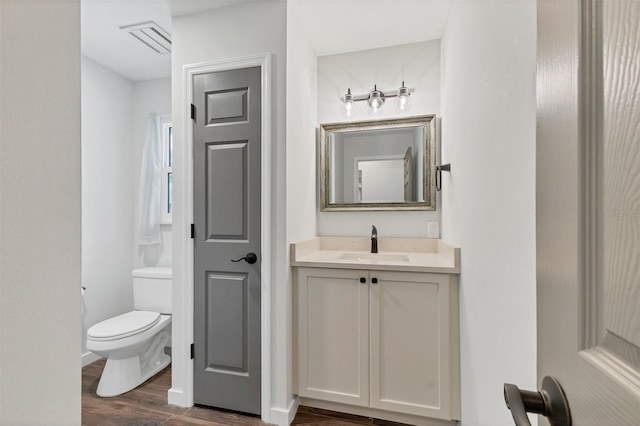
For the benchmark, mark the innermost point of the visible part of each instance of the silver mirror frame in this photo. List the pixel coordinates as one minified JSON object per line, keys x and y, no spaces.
{"x":429,"y":124}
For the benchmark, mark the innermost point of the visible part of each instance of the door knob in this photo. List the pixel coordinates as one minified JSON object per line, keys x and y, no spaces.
{"x":550,"y":401}
{"x":250,"y":258}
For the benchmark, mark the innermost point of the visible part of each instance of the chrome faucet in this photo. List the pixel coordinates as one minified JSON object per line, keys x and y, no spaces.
{"x":374,"y":239}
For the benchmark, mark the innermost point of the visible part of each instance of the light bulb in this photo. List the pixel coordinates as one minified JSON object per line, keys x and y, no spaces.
{"x":376,"y":103}
{"x":376,"y":100}
{"x":348,"y":107}
{"x":403,"y":101}
{"x":374,"y":107}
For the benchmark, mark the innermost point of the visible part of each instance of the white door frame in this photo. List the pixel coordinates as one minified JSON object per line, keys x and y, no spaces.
{"x":185,"y":397}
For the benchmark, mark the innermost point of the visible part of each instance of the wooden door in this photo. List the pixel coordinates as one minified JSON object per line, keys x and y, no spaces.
{"x":227,"y":199}
{"x":588,"y":206}
{"x":412,"y":353}
{"x":333,"y":335}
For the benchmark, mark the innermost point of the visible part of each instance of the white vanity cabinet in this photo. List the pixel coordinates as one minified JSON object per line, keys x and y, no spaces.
{"x":377,"y":343}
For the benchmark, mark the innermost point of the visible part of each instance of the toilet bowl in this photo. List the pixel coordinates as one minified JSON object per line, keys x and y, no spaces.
{"x":133,"y":343}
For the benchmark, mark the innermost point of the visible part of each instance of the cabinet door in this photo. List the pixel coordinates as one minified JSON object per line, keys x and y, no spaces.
{"x":333,"y":335}
{"x":410,"y":343}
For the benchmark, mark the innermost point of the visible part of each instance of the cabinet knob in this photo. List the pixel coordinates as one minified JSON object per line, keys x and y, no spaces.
{"x":363,"y":280}
{"x":374,"y":280}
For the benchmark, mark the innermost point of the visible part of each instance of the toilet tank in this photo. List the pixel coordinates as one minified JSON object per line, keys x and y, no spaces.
{"x":152,"y":289}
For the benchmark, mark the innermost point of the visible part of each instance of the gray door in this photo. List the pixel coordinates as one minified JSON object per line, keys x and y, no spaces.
{"x":227,"y":227}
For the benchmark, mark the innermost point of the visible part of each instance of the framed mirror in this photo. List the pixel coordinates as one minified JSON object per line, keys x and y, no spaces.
{"x":378,"y":165}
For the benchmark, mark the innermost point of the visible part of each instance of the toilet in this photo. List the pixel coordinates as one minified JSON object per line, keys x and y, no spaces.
{"x":133,"y":343}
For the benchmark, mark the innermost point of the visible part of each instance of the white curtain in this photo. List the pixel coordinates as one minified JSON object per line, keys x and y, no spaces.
{"x":151,"y":185}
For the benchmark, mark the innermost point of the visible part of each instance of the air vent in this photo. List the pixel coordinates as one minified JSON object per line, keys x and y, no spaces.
{"x":151,"y":35}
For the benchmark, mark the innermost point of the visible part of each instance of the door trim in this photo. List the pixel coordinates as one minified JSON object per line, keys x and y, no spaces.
{"x":184,"y":397}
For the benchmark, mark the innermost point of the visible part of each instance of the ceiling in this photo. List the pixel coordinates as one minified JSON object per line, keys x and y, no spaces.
{"x":104,"y":42}
{"x":339,"y":26}
{"x":332,"y":26}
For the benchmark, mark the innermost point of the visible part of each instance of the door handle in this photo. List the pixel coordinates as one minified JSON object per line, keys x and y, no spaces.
{"x":250,"y":258}
{"x":550,"y":401}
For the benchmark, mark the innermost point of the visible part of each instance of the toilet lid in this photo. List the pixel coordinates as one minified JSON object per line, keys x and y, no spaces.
{"x":124,"y":325}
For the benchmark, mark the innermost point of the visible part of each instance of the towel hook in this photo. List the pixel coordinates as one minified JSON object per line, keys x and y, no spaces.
{"x":439,"y":170}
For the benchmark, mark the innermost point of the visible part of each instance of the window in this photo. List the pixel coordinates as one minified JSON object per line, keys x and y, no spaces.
{"x":167,"y":170}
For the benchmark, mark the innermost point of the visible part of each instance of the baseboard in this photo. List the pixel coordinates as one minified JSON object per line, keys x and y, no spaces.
{"x":374,"y":413}
{"x":88,"y":358}
{"x":282,"y":417}
{"x":177,"y":397}
{"x":293,"y":408}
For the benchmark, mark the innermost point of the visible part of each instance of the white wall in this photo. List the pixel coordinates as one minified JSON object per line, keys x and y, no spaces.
{"x":301,"y":161}
{"x":302,"y":113}
{"x":40,"y":213}
{"x":488,"y":135}
{"x":220,"y":34}
{"x":418,"y":64}
{"x":107,"y":193}
{"x":148,"y":97}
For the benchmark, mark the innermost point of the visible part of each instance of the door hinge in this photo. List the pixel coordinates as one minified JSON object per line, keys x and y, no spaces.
{"x":192,"y":350}
{"x":193,"y":230}
{"x":193,"y":112}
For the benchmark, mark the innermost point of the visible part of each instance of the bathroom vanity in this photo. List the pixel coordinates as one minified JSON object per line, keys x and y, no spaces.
{"x":377,"y":335}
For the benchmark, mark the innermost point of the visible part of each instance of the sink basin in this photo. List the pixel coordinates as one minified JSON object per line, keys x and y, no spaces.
{"x":374,"y":257}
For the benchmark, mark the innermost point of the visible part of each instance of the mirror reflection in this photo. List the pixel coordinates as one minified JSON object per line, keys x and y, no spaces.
{"x":378,"y":165}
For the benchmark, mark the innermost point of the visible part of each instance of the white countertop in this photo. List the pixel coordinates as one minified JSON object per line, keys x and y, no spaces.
{"x":394,"y":254}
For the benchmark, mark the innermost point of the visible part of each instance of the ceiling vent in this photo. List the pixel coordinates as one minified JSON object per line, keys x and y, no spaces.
{"x":151,"y":35}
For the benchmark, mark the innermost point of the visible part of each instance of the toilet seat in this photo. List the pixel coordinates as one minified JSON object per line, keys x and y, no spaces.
{"x":124,"y":325}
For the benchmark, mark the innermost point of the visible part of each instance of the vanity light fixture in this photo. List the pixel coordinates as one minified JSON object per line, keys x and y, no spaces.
{"x":375,"y":99}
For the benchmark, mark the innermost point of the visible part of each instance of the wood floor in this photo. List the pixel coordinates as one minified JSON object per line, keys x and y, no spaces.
{"x":146,"y":406}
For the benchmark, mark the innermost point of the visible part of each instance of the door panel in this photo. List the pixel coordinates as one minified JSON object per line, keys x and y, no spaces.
{"x":410,"y":355}
{"x":226,"y":106}
{"x":226,"y":171}
{"x":227,"y":201}
{"x":621,"y":174}
{"x":333,"y":335}
{"x":227,"y":298}
{"x":588,"y":222}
